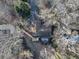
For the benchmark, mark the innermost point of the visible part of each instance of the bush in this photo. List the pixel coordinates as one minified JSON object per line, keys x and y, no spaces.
{"x":54,"y":44}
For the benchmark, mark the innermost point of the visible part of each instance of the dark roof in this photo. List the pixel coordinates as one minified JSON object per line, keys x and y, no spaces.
{"x":44,"y":34}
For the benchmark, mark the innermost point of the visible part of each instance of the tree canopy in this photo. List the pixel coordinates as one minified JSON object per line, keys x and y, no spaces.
{"x":23,"y":9}
{"x":24,"y":0}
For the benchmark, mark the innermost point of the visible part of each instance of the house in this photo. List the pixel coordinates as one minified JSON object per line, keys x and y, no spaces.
{"x":42,"y":32}
{"x":74,"y":36}
{"x":6,"y":29}
{"x":45,"y":34}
